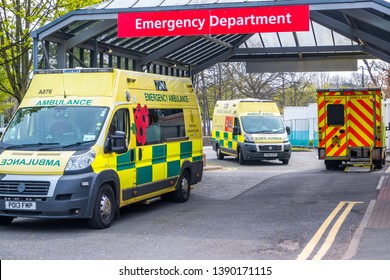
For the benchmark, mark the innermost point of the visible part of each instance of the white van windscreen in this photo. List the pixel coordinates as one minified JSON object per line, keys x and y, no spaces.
{"x":262,"y":124}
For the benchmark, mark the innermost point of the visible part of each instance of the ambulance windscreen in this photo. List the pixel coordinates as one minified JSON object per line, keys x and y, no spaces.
{"x":55,"y":126}
{"x":262,"y":124}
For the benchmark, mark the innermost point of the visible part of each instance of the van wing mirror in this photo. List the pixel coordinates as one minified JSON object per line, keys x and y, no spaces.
{"x":288,"y":130}
{"x":116,"y":143}
{"x":236,"y":130}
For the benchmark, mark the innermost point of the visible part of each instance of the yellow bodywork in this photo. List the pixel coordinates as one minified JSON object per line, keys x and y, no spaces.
{"x":141,"y":165}
{"x":227,"y":110}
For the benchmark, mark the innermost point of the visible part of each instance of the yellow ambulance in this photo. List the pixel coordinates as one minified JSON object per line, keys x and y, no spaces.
{"x":86,"y":142}
{"x":351,"y":128}
{"x":250,"y":129}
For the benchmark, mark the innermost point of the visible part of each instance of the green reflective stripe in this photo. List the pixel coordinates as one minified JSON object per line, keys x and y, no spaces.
{"x":199,"y":158}
{"x":173,"y":168}
{"x":226,"y":135}
{"x":185,"y":149}
{"x":217,"y":134}
{"x":159,"y":154}
{"x":144,"y":175}
{"x":124,"y":161}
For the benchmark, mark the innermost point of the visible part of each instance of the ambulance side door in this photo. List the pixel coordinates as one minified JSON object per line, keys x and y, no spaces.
{"x":125,"y":162}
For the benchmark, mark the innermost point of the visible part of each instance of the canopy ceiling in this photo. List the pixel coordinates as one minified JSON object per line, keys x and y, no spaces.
{"x":339,"y":30}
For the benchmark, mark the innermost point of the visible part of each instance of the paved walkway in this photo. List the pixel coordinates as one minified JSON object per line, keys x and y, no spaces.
{"x":372,"y":239}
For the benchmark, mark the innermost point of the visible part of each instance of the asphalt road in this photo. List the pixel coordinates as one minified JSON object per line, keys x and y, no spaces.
{"x":263,"y":210}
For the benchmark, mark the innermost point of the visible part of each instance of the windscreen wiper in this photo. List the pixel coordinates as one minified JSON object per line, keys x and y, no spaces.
{"x":262,"y":131}
{"x":78,"y":144}
{"x":29,"y":145}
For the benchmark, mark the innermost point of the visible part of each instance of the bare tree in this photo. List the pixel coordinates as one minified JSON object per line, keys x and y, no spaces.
{"x":18,"y":18}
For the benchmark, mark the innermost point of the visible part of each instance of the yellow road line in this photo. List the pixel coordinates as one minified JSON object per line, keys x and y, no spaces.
{"x":332,"y":234}
{"x":316,"y":238}
{"x":320,"y":232}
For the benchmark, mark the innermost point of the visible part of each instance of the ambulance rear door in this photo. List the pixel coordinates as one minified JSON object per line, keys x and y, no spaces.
{"x":335,"y":125}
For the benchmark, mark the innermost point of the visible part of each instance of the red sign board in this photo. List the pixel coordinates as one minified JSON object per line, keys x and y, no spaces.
{"x":214,"y":21}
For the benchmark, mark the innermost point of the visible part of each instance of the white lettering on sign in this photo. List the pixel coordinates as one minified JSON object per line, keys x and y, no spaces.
{"x":249,"y":20}
{"x":170,"y":24}
{"x":214,"y":21}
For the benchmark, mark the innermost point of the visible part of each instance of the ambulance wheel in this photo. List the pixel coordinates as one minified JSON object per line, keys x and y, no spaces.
{"x":183,"y":188}
{"x":285,"y":161}
{"x":6,"y":220}
{"x":241,"y":159}
{"x":220,"y":155}
{"x":328,"y":165}
{"x":104,"y":210}
{"x":378,"y":164}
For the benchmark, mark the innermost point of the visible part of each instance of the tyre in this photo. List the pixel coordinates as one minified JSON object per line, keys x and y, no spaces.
{"x":183,"y":188}
{"x":285,"y":161}
{"x":378,"y":164}
{"x":220,"y":155}
{"x":104,"y":210}
{"x":332,"y":164}
{"x":241,"y":159}
{"x":5,"y":220}
{"x":336,"y":164}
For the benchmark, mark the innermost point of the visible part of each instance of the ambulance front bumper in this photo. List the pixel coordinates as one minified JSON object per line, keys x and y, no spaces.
{"x":266,"y":152}
{"x":57,"y":197}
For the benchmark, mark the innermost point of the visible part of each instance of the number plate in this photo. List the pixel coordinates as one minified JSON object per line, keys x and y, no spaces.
{"x":270,"y":154}
{"x":20,"y":205}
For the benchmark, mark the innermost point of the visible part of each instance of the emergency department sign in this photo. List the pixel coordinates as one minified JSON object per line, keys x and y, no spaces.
{"x":214,"y":21}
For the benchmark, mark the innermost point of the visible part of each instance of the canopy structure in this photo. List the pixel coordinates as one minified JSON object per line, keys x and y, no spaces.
{"x":340,"y":32}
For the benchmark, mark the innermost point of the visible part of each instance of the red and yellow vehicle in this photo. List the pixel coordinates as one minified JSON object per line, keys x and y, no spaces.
{"x":351,"y":127}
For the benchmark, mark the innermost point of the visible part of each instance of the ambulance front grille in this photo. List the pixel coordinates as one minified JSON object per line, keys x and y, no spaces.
{"x":33,"y":188}
{"x":270,"y":147}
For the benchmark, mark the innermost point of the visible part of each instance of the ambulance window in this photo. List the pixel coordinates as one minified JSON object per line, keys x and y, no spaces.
{"x":335,"y":114}
{"x":162,"y":125}
{"x":172,"y":123}
{"x":120,"y":122}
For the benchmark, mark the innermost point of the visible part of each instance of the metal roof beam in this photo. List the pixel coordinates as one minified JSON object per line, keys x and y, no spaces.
{"x":168,"y":49}
{"x":213,"y":61}
{"x":222,"y":57}
{"x":66,"y":20}
{"x":296,"y":58}
{"x":218,"y":41}
{"x":311,"y":49}
{"x":368,"y":18}
{"x":348,"y":31}
{"x":89,"y":33}
{"x":376,"y":53}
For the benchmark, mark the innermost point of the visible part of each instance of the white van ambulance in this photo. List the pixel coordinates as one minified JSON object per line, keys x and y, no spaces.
{"x":250,"y":129}
{"x":86,"y":142}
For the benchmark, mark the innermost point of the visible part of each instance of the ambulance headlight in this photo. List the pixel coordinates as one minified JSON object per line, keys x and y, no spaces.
{"x":81,"y":161}
{"x":248,"y":138}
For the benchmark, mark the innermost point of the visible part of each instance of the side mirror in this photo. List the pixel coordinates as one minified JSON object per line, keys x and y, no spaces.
{"x":116,"y":143}
{"x":236,"y":130}
{"x":288,"y":130}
